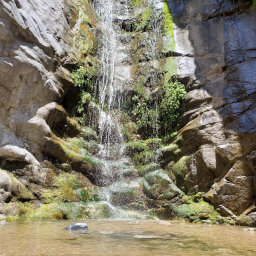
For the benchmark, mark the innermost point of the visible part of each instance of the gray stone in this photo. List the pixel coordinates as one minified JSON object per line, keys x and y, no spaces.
{"x":77,"y":227}
{"x":217,"y":57}
{"x":35,"y":40}
{"x":3,"y":222}
{"x":5,"y":181}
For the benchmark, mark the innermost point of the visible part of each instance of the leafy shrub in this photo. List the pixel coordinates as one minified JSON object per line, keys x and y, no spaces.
{"x":67,"y":184}
{"x":173,"y":95}
{"x":85,"y":196}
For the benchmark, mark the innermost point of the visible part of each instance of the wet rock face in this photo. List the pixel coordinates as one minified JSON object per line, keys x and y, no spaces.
{"x":215,"y":41}
{"x":35,"y":37}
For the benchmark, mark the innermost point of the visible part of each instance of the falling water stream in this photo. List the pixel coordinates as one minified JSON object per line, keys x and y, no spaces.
{"x":113,"y":76}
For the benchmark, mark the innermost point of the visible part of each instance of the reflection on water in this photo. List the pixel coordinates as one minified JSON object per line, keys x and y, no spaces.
{"x":133,"y":238}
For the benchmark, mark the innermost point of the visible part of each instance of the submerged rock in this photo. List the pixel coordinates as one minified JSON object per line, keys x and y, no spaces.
{"x":77,"y":226}
{"x":3,"y":222}
{"x":2,"y":217}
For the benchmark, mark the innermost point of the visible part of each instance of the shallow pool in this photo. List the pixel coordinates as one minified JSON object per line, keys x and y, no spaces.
{"x":113,"y":237}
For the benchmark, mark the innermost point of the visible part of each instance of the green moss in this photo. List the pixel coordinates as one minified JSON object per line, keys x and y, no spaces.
{"x":138,"y":3}
{"x":85,"y":195}
{"x":153,"y":142}
{"x":170,"y":148}
{"x":89,"y":134}
{"x":158,"y":177}
{"x":57,"y":211}
{"x":88,"y":14}
{"x":169,"y":43}
{"x":25,"y":194}
{"x":47,"y":211}
{"x":143,"y":158}
{"x":142,"y":152}
{"x":75,"y":149}
{"x":158,"y":187}
{"x":99,"y":210}
{"x":136,"y":146}
{"x":69,"y":189}
{"x":197,"y":211}
{"x":179,"y":166}
{"x":67,"y":184}
{"x":73,"y":210}
{"x":144,"y":169}
{"x":73,"y":124}
{"x":140,"y":88}
{"x":169,"y":68}
{"x":19,"y":190}
{"x":29,"y":211}
{"x":129,"y":130}
{"x":144,"y":20}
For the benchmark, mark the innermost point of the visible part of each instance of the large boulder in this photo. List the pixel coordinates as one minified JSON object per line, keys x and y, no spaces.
{"x":5,"y":181}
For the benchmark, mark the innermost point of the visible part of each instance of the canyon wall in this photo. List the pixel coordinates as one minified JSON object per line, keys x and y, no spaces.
{"x":214,"y":152}
{"x":215,"y":49}
{"x":36,"y":43}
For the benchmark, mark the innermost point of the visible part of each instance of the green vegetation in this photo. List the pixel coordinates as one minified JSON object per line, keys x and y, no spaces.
{"x":146,"y":115}
{"x":68,"y":189}
{"x":142,"y":152}
{"x":77,"y":149}
{"x":83,"y":78}
{"x":67,"y":184}
{"x":136,"y":146}
{"x":88,"y":133}
{"x":138,"y":3}
{"x":86,"y":71}
{"x":143,"y":20}
{"x":198,"y":211}
{"x":169,"y":43}
{"x":144,"y":169}
{"x":174,"y":93}
{"x":160,"y":115}
{"x":47,"y":211}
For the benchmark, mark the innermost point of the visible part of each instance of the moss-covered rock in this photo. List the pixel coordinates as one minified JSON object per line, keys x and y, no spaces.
{"x":145,"y":169}
{"x":143,"y":20}
{"x":196,"y":212}
{"x":127,"y":193}
{"x":99,"y":210}
{"x":158,"y":186}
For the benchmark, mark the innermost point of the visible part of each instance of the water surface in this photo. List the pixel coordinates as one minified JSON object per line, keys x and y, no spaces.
{"x":142,"y":238}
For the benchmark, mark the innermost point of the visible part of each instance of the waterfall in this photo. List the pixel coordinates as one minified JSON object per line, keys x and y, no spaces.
{"x":109,"y":86}
{"x":107,"y":91}
{"x":114,"y":79}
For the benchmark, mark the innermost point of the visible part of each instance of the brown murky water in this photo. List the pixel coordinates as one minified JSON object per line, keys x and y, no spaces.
{"x":135,"y":238}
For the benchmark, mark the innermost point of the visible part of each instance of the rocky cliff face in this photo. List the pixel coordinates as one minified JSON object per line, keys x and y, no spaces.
{"x":42,"y":42}
{"x":215,"y":45}
{"x":36,"y":42}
